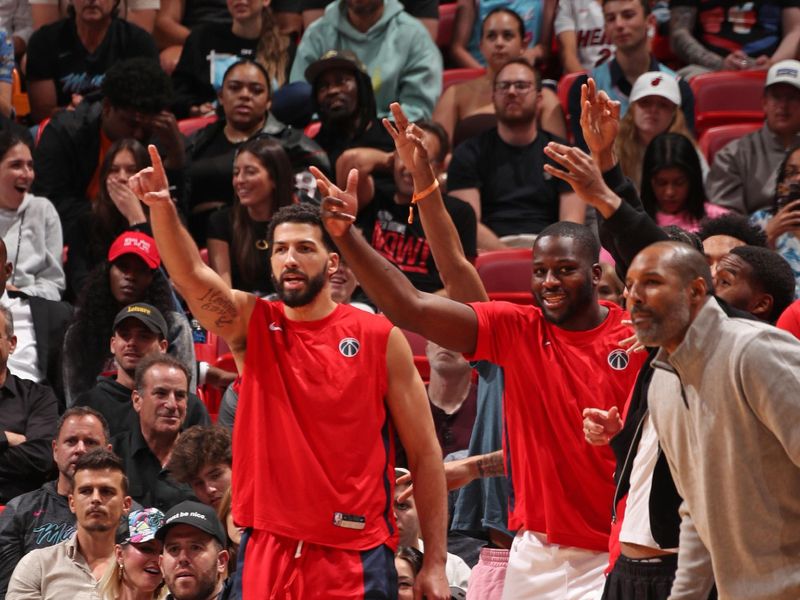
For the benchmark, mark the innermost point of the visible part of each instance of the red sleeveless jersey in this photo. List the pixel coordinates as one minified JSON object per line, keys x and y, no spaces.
{"x":313,"y":445}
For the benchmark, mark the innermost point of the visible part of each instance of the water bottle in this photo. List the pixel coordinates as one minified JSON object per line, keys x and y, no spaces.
{"x":199,"y":334}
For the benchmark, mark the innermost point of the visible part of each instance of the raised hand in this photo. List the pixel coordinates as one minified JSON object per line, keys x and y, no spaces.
{"x":785,"y":220}
{"x":150,"y":184}
{"x":339,"y":207}
{"x":599,"y":426}
{"x":126,"y":201}
{"x":407,"y":140}
{"x":599,"y":118}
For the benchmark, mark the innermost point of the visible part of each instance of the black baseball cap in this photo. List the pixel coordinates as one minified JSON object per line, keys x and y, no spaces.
{"x":200,"y":516}
{"x":334,"y":59}
{"x":147,"y":314}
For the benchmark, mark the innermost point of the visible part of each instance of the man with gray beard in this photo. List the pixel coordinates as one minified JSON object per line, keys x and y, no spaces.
{"x":724,"y":400}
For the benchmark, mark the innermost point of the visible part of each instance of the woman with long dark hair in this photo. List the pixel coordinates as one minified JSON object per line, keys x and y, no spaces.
{"x":262,"y":183}
{"x":672,"y":183}
{"x":115,"y":209}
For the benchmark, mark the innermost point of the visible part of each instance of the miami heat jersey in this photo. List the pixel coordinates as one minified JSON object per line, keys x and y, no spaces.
{"x":313,"y":455}
{"x":563,"y":487}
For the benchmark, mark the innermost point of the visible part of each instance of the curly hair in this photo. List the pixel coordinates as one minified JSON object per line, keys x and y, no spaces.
{"x":87,"y":340}
{"x":138,"y":84}
{"x":735,"y":226}
{"x":772,"y":274}
{"x":300,"y":213}
{"x":198,"y":447}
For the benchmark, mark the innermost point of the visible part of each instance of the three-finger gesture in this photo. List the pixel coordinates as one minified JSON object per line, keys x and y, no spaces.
{"x":339,"y":207}
{"x":599,"y":118}
{"x":408,"y":139}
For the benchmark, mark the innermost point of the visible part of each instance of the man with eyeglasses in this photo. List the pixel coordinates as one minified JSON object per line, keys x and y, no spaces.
{"x":500,"y":172}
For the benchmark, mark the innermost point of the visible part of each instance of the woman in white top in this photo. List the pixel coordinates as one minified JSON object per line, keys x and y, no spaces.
{"x":29,"y":225}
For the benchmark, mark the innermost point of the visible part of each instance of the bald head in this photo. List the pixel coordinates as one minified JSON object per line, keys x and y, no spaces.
{"x":684,"y":260}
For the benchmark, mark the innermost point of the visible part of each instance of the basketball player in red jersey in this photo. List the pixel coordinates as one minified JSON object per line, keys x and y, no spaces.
{"x":558,"y":358}
{"x":324,"y":387}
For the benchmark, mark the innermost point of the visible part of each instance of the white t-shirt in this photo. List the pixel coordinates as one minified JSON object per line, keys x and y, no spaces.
{"x":585,"y":18}
{"x":23,"y":362}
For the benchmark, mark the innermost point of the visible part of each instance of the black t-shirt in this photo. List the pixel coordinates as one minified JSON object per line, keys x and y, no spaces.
{"x":211,"y":171}
{"x":385,"y":225}
{"x":334,"y":144}
{"x":198,"y":12}
{"x":220,"y":227}
{"x":55,"y":52}
{"x":517,"y":196}
{"x":754,"y":27}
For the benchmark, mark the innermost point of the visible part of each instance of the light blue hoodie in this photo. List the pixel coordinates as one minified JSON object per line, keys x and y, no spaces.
{"x":401,"y":58}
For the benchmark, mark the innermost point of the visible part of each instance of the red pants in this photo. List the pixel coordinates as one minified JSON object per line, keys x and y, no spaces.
{"x":279,"y":568}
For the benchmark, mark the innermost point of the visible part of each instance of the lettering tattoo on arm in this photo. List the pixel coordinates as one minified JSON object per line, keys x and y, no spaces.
{"x":214,"y":301}
{"x":491,"y":465}
{"x":685,"y":45}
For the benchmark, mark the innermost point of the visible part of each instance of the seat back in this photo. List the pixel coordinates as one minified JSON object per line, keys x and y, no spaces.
{"x":506,"y":270}
{"x":715,"y":139}
{"x":727,"y":97}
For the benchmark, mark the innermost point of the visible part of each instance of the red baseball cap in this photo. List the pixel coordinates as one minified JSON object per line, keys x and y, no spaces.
{"x":135,"y":242}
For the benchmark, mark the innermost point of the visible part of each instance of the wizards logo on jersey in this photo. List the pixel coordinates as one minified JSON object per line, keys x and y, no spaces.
{"x":349,"y":347}
{"x":618,"y":359}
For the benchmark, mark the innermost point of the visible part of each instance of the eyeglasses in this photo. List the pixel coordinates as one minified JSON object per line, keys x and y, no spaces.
{"x":503,"y":87}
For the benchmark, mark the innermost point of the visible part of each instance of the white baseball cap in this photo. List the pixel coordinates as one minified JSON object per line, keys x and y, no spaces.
{"x":656,"y":83}
{"x":785,"y":71}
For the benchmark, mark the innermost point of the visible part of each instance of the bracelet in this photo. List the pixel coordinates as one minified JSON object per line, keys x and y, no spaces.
{"x":421,"y":196}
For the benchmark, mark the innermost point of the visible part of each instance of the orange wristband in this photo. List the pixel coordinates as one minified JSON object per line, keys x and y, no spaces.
{"x":420,"y":196}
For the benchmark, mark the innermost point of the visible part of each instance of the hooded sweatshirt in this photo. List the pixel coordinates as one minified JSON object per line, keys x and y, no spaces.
{"x":401,"y":58}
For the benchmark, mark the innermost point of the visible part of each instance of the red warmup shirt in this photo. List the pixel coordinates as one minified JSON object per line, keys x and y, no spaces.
{"x":563,"y":487}
{"x":313,"y":454}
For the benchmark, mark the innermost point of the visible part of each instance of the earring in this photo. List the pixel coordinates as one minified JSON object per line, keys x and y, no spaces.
{"x":121,"y":572}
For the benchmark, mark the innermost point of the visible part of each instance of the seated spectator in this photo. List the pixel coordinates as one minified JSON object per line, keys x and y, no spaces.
{"x":781,"y":223}
{"x":408,"y":562}
{"x":160,"y":397}
{"x":213,"y":47}
{"x":137,"y":12}
{"x":237,"y":247}
{"x":130,"y":275}
{"x":499,"y":173}
{"x":610,"y":288}
{"x":342,"y":96}
{"x":138,"y":331}
{"x":73,"y":145}
{"x":68,"y":59}
{"x":627,"y":25}
{"x":790,"y":319}
{"x":72,"y":568}
{"x":723,"y":234}
{"x":743,"y":174}
{"x":654,"y":103}
{"x":583,"y":42}
{"x":502,"y":38}
{"x":537,"y":18}
{"x":30,"y":224}
{"x":225,"y":515}
{"x":403,"y":62}
{"x":194,"y":561}
{"x":672,"y":182}
{"x":134,"y":571}
{"x":405,"y":513}
{"x":202,"y":460}
{"x":244,"y":104}
{"x":425,"y":10}
{"x":756,"y":280}
{"x":28,"y":415}
{"x":42,"y":518}
{"x":40,"y":329}
{"x":727,"y":36}
{"x":114,"y":211}
{"x":16,"y":19}
{"x":384,"y":212}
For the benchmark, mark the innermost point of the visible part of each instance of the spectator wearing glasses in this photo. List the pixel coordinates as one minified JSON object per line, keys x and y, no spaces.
{"x":499,"y":173}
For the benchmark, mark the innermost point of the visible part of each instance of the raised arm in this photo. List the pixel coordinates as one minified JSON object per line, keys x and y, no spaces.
{"x":450,"y":324}
{"x":219,"y":308}
{"x":408,"y":404}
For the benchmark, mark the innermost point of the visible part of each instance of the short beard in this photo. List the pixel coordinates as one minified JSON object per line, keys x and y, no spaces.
{"x":582,"y":299}
{"x":298,"y":298}
{"x":663,"y":328}
{"x":205,"y":589}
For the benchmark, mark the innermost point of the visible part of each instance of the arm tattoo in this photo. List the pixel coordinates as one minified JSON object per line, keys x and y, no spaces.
{"x":685,"y":45}
{"x":491,"y":465}
{"x":214,"y":301}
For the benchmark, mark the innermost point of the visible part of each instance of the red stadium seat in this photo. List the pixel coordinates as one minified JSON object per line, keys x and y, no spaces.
{"x":716,"y":138}
{"x":312,"y":129}
{"x":564,"y":85}
{"x":505,"y":270}
{"x":514,"y":297}
{"x":727,"y":97}
{"x":454,"y":76}
{"x":416,"y":341}
{"x":662,"y":50}
{"x":189,"y":126}
{"x":447,"y":19}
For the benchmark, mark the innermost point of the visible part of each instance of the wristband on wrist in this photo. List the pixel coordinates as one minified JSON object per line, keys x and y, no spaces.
{"x":421,"y":196}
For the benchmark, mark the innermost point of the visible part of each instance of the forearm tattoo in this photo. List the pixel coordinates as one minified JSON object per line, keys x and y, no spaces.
{"x":491,"y":465}
{"x":690,"y":50}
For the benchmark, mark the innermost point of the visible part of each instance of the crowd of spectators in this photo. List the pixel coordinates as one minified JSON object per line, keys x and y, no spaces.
{"x":124,"y":472}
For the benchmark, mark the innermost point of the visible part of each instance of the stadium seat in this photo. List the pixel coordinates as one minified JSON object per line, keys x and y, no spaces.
{"x":564,"y":85}
{"x":19,"y":99}
{"x":505,"y":270}
{"x":661,"y":49}
{"x":727,"y":97}
{"x":715,"y":139}
{"x":447,"y":19}
{"x":418,"y":344}
{"x":189,"y":126}
{"x":454,"y":76}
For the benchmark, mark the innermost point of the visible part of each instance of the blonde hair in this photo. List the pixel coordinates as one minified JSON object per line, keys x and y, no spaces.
{"x":272,"y":49}
{"x":110,"y":584}
{"x":630,"y":149}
